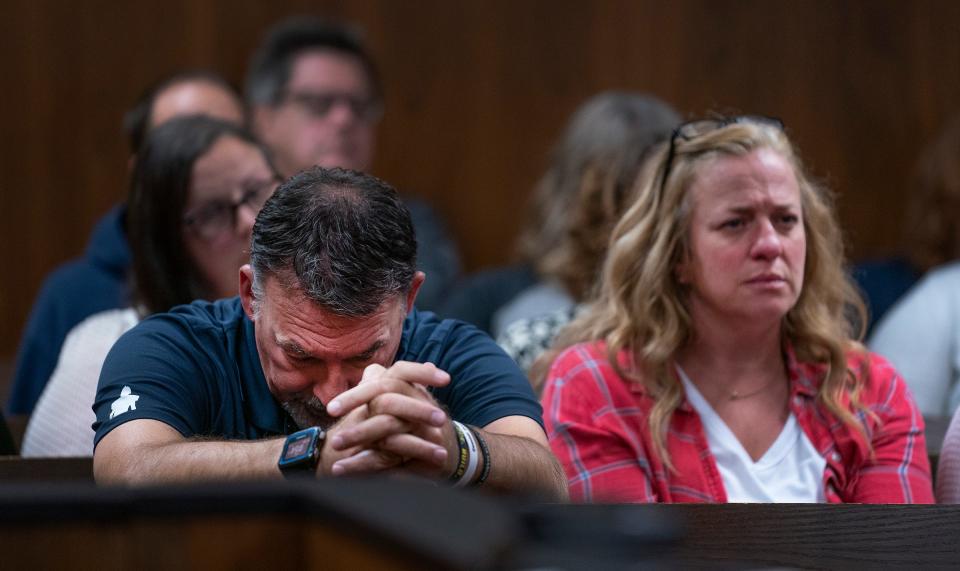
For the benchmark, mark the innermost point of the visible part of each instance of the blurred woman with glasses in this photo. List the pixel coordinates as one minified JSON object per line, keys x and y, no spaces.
{"x":719,"y":363}
{"x":197,"y":186}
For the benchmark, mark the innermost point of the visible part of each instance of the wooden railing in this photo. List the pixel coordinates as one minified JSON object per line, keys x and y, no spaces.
{"x":395,"y":525}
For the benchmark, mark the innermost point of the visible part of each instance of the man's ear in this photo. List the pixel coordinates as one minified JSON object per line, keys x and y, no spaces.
{"x":246,"y":290}
{"x":418,"y":278}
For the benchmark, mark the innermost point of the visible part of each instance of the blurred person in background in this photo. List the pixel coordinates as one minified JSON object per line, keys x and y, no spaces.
{"x":596,"y":133}
{"x":586,"y":190}
{"x":948,"y":465}
{"x":97,"y":281}
{"x":931,"y":231}
{"x":919,"y":334}
{"x":315,"y":98}
{"x":196,"y":188}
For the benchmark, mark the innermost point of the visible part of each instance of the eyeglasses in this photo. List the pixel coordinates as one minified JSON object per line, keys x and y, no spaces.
{"x":699,"y":127}
{"x":218,"y":217}
{"x":319,"y":105}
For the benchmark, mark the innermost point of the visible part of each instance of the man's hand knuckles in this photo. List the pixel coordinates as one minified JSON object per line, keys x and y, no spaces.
{"x":383,"y":386}
{"x":372,"y":460}
{"x":378,"y":427}
{"x":394,"y":404}
{"x":409,"y":446}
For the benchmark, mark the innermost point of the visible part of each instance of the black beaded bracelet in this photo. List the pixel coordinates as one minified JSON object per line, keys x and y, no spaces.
{"x":486,"y":456}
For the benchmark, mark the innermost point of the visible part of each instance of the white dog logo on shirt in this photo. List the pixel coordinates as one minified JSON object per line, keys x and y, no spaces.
{"x":126,"y":402}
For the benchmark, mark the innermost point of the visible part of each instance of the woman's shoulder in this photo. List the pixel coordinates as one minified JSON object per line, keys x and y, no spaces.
{"x":933,"y":299}
{"x":879,"y":380}
{"x":582,"y":355}
{"x":946,"y":276}
{"x":587,"y":365}
{"x":873,"y":371}
{"x":104,"y":327}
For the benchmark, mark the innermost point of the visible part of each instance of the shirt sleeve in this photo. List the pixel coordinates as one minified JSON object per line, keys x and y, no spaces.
{"x":486,"y":383}
{"x":155,"y":372}
{"x":948,"y":470}
{"x":897,"y":469}
{"x":589,"y":432}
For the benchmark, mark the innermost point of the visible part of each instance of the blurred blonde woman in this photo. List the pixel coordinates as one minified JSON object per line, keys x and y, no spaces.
{"x":719,"y":363}
{"x":582,"y":195}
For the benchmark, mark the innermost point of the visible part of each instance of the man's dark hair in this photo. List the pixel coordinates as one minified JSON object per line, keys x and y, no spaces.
{"x":164,"y":274}
{"x":271,"y":64}
{"x":342,"y":237}
{"x":136,"y":121}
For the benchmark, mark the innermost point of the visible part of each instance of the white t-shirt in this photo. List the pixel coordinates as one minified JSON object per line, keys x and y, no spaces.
{"x":790,"y":471}
{"x":920,"y":336}
{"x":60,"y":423}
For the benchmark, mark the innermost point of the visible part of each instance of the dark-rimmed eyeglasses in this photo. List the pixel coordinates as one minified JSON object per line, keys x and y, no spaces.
{"x":218,"y":217}
{"x":699,"y":127}
{"x":319,"y":105}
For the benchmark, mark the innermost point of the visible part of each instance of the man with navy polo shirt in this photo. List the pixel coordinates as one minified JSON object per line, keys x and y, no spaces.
{"x":323,"y":335}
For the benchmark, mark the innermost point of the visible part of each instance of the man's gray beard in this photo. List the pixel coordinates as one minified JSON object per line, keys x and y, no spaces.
{"x":307,"y":413}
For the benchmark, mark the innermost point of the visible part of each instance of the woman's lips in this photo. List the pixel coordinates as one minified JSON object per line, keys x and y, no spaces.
{"x":766,"y":279}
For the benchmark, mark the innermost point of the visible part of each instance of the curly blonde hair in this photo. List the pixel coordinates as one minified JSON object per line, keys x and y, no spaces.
{"x":642,"y":308}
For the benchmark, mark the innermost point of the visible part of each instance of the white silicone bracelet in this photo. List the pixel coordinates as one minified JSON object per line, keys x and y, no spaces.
{"x":473,"y":456}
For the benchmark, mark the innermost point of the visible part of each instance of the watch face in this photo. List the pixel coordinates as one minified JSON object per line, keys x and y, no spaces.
{"x":301,"y":450}
{"x":297,"y":447}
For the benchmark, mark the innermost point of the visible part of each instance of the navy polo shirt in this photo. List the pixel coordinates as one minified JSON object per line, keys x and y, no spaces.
{"x":197,"y":370}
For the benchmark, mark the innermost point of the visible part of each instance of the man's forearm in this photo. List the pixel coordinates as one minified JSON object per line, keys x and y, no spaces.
{"x":190,"y":461}
{"x":519,"y":464}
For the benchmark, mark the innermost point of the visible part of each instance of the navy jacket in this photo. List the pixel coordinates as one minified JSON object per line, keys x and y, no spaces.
{"x":95,"y":282}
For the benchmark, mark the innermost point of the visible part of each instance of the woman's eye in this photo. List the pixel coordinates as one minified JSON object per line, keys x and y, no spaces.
{"x":789,"y":219}
{"x":733,"y":223}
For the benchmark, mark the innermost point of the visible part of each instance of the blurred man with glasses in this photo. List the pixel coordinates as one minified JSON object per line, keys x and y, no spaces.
{"x":315,"y":98}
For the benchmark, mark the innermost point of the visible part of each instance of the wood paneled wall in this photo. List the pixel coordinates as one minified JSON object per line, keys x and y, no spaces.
{"x":476,"y":93}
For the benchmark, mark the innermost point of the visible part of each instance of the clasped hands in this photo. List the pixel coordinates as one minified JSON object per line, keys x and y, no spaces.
{"x":389,"y":422}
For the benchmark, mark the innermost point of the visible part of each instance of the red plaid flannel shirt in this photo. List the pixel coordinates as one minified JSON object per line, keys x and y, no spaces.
{"x":597,"y":426}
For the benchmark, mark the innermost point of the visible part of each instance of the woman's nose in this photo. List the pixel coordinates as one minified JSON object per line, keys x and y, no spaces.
{"x":768,"y":243}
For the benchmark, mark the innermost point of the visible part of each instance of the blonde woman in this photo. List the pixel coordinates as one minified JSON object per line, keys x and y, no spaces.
{"x":719,"y":363}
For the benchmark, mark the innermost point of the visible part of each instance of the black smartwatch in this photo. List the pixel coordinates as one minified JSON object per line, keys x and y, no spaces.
{"x":301,"y":452}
